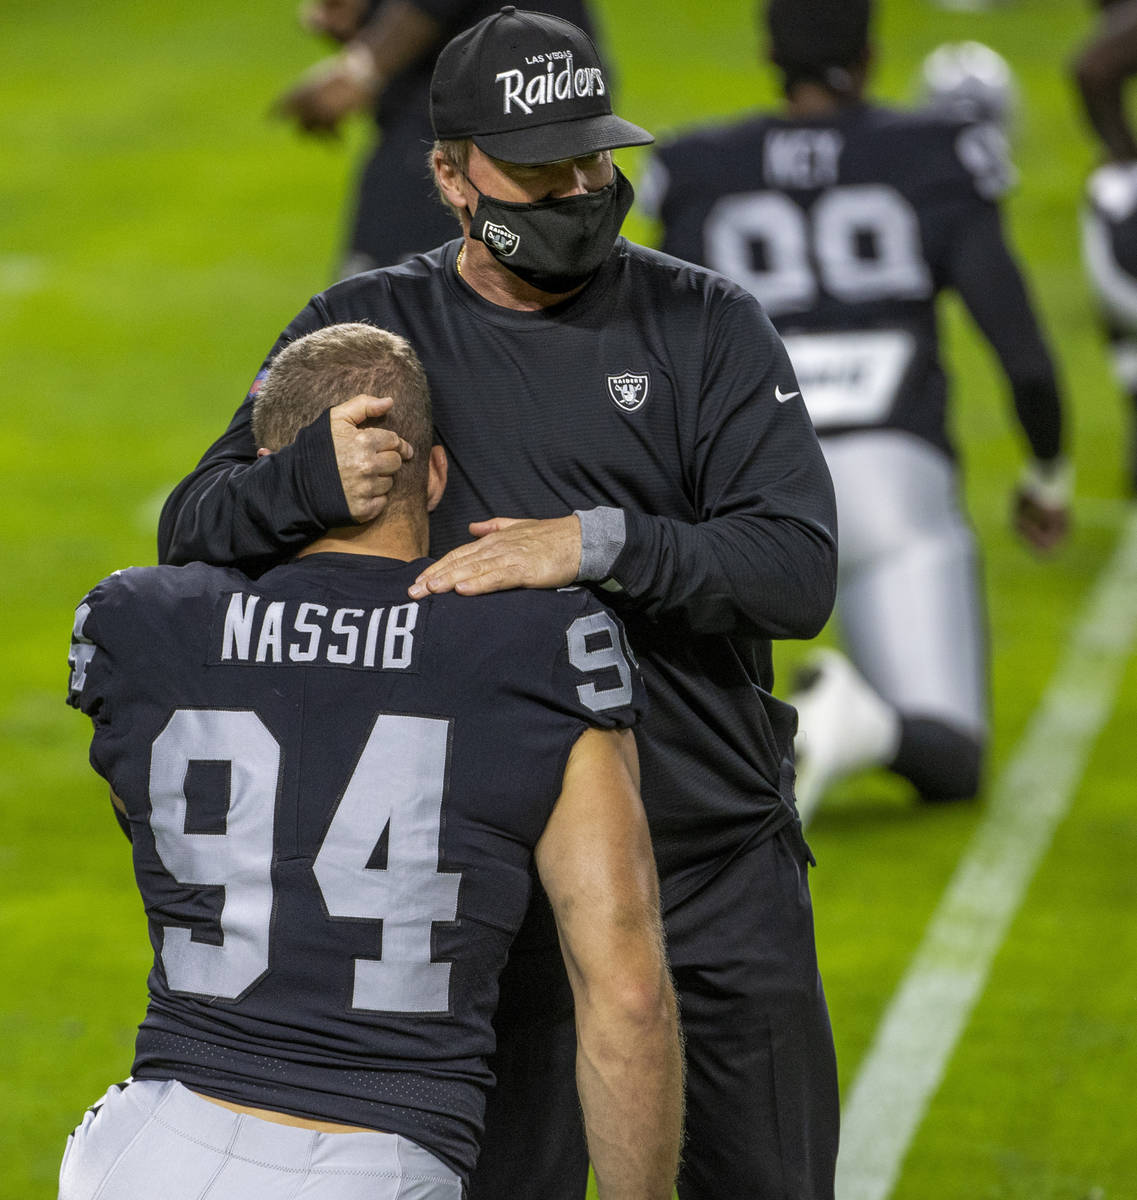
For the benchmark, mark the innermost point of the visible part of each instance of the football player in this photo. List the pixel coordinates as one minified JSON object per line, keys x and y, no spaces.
{"x":847,"y":219}
{"x":1109,"y":216}
{"x":335,"y":798}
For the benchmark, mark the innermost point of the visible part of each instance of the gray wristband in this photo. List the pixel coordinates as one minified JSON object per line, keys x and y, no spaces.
{"x":602,"y":536}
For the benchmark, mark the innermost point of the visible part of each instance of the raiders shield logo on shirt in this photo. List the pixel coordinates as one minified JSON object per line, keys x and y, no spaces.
{"x":503,"y":240}
{"x":628,"y":390}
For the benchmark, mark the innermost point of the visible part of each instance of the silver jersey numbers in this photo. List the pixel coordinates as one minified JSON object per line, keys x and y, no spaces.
{"x":857,"y":243}
{"x":397,"y":787}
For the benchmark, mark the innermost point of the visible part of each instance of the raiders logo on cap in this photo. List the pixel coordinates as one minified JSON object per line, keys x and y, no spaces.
{"x":503,"y":240}
{"x":527,"y":88}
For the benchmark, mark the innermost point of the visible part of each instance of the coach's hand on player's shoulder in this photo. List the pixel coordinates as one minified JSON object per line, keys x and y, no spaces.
{"x":368,"y":455}
{"x":507,"y":554}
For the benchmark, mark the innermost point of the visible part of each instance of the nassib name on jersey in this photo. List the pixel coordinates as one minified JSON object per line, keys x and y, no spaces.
{"x":302,"y":632}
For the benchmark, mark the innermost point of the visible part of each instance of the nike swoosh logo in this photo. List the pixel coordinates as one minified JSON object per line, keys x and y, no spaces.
{"x":782,"y":397}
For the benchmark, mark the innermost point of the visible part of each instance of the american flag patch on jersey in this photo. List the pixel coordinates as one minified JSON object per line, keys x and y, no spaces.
{"x":258,"y":383}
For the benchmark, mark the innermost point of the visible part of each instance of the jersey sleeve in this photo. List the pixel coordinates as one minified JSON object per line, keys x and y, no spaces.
{"x":984,"y":154}
{"x":761,"y":557}
{"x":596,"y":677}
{"x":988,"y":280}
{"x":236,"y":508}
{"x":83,"y":692}
{"x":93,"y":677}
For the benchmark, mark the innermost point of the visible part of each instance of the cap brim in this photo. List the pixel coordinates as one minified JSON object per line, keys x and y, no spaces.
{"x":562,"y":139}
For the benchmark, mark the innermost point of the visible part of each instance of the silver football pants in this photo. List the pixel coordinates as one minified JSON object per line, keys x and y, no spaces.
{"x":908,"y":594}
{"x":155,"y":1138}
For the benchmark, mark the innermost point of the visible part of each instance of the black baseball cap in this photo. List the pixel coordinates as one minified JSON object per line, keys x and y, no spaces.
{"x":527,"y":88}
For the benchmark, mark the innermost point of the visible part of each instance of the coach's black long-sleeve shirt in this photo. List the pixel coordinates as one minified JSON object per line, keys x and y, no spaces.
{"x":661,"y":389}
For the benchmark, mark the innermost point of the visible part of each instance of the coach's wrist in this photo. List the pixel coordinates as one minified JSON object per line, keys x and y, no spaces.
{"x":602,"y":537}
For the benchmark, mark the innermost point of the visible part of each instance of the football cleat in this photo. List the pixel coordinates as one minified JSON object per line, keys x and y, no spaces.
{"x":843,"y":726}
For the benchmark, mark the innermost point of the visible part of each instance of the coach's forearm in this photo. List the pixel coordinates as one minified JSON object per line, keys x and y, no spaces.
{"x":236,"y":509}
{"x":630,"y":1081}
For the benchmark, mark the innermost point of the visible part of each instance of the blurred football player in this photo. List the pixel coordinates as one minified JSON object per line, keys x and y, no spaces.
{"x":847,"y":219}
{"x":1109,"y":216}
{"x":388,"y":56}
{"x":336,"y":799}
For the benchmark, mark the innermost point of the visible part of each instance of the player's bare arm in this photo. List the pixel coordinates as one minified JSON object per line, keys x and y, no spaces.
{"x":396,"y":36}
{"x":507,"y":553}
{"x":595,"y":861}
{"x":368,"y":455}
{"x":1100,"y":71}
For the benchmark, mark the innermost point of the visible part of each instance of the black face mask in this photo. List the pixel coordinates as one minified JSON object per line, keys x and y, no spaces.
{"x":555,"y":245}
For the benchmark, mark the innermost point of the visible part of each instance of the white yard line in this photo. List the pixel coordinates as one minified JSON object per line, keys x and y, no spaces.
{"x":918,"y":1033}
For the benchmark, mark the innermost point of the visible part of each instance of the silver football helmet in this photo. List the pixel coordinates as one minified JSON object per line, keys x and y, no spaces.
{"x":971,"y":81}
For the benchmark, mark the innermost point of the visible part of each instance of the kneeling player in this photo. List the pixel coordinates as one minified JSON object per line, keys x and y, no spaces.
{"x":847,"y":219}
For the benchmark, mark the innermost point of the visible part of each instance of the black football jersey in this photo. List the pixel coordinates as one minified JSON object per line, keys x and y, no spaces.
{"x":655,"y":390}
{"x":846,"y":229}
{"x":333,"y":796}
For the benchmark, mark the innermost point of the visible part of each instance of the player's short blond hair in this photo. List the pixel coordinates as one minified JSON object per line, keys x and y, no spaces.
{"x":333,"y":364}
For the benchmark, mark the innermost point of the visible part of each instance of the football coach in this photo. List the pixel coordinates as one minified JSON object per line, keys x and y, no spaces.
{"x":622,"y":418}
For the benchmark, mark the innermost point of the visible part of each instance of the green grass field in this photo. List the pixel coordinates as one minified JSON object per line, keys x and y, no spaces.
{"x":158,"y":231}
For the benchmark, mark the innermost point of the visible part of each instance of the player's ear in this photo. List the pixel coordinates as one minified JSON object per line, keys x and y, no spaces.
{"x":436,"y":477}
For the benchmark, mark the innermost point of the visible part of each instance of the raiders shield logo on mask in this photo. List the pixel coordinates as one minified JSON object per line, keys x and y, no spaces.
{"x":503,"y":240}
{"x":628,"y":390}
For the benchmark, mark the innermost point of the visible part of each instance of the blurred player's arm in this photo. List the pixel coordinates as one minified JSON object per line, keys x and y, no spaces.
{"x":392,"y":39}
{"x":988,"y":280}
{"x":236,"y":508}
{"x":1100,"y":71}
{"x":596,"y":864}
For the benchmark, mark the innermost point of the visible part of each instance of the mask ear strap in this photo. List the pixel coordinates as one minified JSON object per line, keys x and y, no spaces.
{"x":473,"y":185}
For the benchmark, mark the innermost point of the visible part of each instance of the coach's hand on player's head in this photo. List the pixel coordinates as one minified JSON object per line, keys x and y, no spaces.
{"x":368,"y":455}
{"x":507,"y":554}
